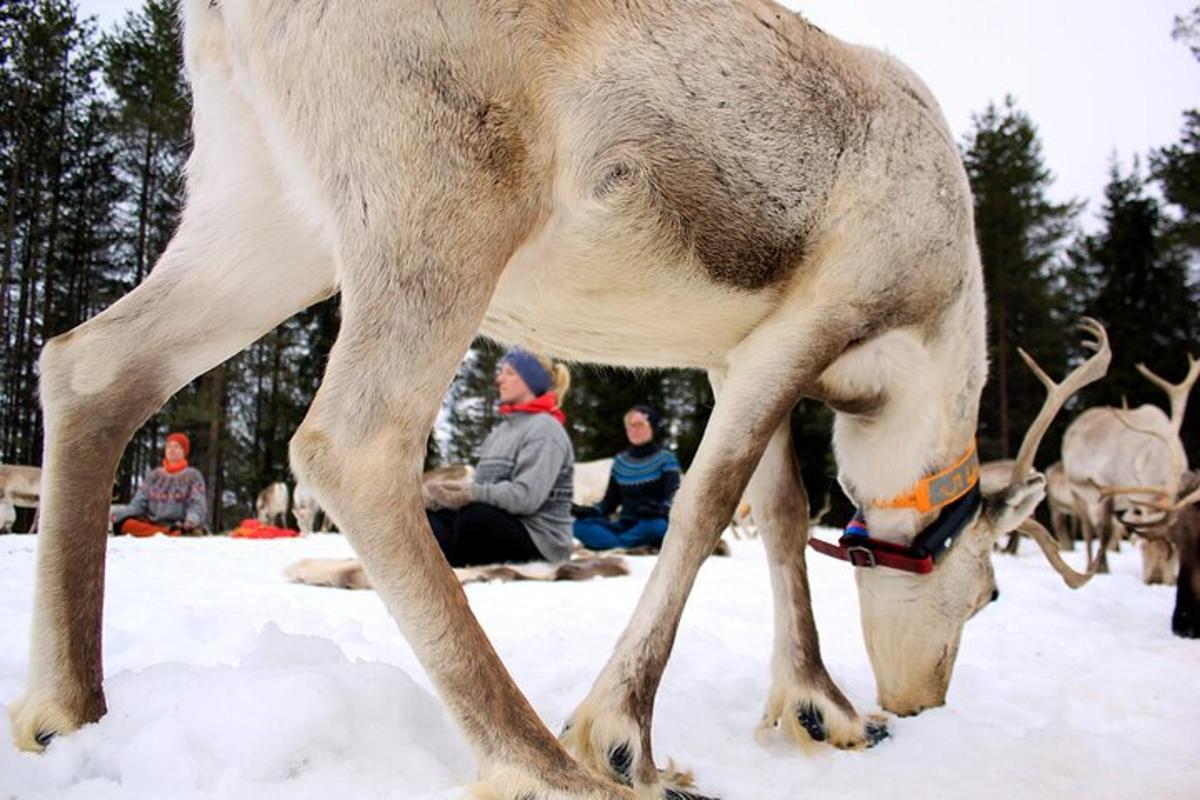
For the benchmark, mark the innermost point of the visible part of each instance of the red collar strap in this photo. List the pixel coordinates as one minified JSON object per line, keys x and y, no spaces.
{"x":928,"y":548}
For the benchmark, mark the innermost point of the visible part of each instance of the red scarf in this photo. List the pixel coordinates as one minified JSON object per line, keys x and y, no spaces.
{"x":173,"y":467}
{"x":545,"y":404}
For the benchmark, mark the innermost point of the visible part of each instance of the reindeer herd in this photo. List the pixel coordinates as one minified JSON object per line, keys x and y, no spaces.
{"x":720,"y":186}
{"x":1125,"y":472}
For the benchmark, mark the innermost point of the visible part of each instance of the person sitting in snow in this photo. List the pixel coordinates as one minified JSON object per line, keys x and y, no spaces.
{"x":517,"y":508}
{"x":171,"y":500}
{"x":641,"y":487}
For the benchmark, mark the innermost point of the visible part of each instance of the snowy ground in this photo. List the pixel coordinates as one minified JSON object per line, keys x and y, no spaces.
{"x":224,"y":681}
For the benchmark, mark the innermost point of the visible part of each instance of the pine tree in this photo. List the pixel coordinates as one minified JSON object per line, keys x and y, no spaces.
{"x":1021,"y":238}
{"x":1133,"y":277}
{"x":56,"y":186}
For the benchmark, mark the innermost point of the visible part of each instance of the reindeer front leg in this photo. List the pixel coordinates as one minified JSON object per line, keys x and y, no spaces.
{"x":803,"y":700}
{"x":610,"y":730}
{"x":238,"y":265}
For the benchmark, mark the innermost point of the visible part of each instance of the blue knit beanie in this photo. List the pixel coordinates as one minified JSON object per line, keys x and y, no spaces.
{"x":530,"y":370}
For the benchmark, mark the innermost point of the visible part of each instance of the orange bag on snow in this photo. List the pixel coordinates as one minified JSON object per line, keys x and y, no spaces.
{"x":253,"y":529}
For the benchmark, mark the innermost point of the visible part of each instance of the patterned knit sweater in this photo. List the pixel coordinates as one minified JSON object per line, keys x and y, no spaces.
{"x":527,"y":467}
{"x":169,"y":499}
{"x":642,"y":483}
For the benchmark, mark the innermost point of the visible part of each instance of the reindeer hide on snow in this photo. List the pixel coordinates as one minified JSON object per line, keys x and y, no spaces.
{"x":348,"y":573}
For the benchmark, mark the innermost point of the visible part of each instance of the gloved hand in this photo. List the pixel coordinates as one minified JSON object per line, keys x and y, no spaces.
{"x":650,"y":510}
{"x":450,"y":494}
{"x":583,"y":512}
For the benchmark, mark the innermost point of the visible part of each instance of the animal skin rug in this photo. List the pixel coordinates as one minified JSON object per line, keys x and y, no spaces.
{"x":348,"y":573}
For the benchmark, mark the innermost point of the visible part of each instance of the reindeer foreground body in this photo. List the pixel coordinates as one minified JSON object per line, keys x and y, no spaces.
{"x":711,"y":185}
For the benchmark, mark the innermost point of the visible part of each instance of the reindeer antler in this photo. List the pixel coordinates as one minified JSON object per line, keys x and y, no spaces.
{"x":1058,"y":393}
{"x":1164,"y":505}
{"x":1034,"y":530}
{"x":1176,"y":392}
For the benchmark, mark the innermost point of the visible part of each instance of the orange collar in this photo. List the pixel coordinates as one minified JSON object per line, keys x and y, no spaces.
{"x":940,"y":489}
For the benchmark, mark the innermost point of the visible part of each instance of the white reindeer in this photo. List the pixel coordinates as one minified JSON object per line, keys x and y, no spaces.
{"x":20,"y":487}
{"x":1119,"y":461}
{"x":305,"y":508}
{"x":710,"y":185}
{"x":271,"y":505}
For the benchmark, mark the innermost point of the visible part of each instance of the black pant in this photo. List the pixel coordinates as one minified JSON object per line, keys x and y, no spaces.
{"x":481,"y":534}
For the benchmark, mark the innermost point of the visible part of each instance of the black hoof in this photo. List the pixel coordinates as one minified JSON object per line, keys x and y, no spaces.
{"x":813,"y":721}
{"x":876,"y":732}
{"x":680,"y":794}
{"x":620,"y":761}
{"x":44,"y":738}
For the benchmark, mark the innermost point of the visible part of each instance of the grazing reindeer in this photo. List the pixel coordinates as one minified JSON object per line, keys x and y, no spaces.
{"x":1064,"y":520}
{"x":305,"y":508}
{"x":715,"y":185}
{"x":994,"y":477}
{"x":271,"y":505}
{"x":20,"y":487}
{"x":1117,"y":460}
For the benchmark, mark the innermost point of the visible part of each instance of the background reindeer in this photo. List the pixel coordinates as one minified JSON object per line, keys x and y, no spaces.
{"x":1118,"y":460}
{"x":306,"y":509}
{"x":271,"y":505}
{"x":20,"y":487}
{"x":792,"y":216}
{"x":1185,"y":534}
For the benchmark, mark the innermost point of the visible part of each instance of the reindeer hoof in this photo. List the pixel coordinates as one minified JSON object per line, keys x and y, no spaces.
{"x":812,"y":720}
{"x":37,"y":720}
{"x":680,"y":794}
{"x":620,"y":761}
{"x":876,"y":731}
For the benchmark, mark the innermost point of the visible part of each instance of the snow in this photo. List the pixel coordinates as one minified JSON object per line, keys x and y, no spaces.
{"x":225,"y":681}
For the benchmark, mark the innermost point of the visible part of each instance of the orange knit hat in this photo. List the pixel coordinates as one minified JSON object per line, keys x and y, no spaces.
{"x":182,"y":440}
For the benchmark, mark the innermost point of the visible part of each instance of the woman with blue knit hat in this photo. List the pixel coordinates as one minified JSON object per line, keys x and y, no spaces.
{"x":517,"y":508}
{"x":641,"y":487}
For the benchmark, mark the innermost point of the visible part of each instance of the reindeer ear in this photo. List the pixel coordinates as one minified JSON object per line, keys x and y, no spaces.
{"x":1007,"y":509}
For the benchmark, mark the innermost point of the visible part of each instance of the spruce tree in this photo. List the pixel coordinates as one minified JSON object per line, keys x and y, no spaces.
{"x":1021,"y":236}
{"x":1133,"y":276}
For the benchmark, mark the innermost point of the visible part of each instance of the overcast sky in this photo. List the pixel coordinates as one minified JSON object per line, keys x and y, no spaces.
{"x":1098,"y":77}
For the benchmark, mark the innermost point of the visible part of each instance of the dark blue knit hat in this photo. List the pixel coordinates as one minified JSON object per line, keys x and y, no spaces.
{"x":530,"y":369}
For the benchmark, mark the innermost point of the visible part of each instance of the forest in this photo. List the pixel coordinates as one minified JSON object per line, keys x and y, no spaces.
{"x":94,"y":137}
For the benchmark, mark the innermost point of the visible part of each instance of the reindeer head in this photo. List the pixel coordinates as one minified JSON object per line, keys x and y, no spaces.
{"x":913,"y":623}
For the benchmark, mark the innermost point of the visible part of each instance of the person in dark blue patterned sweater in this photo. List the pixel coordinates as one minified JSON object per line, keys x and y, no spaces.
{"x":641,"y":488}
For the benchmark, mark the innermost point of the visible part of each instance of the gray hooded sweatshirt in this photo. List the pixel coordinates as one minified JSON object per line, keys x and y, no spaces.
{"x":527,"y":467}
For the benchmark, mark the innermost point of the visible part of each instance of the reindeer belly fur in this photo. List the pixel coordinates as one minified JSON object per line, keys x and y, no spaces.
{"x":583,"y":289}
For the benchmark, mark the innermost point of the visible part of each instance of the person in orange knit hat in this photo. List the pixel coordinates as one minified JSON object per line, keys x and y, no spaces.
{"x":172,"y":499}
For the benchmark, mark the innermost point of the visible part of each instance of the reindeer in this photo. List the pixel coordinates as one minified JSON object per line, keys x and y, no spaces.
{"x":305,"y":508}
{"x":1064,"y":520}
{"x":720,"y":186}
{"x":994,"y":477}
{"x":1118,"y":461}
{"x":271,"y":505}
{"x":20,"y":487}
{"x":1185,"y":535}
